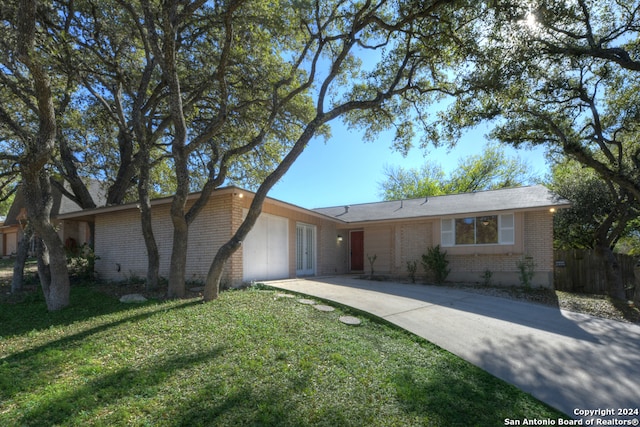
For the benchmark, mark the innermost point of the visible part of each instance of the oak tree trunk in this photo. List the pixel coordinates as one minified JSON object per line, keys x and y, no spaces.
{"x":178,"y":266}
{"x":21,"y":258}
{"x":214,"y":276}
{"x":615,"y":285}
{"x":176,"y":287}
{"x":38,"y":153}
{"x":52,"y":264}
{"x":153,"y":257}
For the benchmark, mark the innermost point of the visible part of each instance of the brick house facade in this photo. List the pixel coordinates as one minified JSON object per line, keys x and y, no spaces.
{"x":289,"y":241}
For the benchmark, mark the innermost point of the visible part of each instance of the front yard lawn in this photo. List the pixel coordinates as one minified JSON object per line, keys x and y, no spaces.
{"x":249,"y":358}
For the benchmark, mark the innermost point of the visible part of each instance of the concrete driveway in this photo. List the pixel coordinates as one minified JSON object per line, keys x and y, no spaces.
{"x":571,"y":361}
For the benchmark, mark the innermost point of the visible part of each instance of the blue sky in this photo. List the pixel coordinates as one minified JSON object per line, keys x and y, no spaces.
{"x":344,"y":170}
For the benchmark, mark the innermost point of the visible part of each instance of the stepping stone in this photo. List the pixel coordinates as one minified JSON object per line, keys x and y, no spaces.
{"x":285,"y":296}
{"x":306,"y":301}
{"x":322,"y":307}
{"x":350,"y":320}
{"x":132,"y":298}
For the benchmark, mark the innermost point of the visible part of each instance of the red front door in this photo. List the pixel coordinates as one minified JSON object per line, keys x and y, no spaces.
{"x":357,"y":250}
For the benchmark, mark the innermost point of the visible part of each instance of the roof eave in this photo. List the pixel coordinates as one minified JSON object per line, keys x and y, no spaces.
{"x":453,"y":214}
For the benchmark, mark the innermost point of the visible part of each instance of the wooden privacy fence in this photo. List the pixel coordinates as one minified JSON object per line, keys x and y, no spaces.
{"x":581,"y":270}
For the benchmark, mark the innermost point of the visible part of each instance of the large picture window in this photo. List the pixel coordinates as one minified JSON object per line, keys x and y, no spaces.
{"x":478,"y":230}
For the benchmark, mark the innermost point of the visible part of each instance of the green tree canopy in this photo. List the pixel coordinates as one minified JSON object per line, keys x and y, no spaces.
{"x":487,"y":171}
{"x":224,"y":90}
{"x":599,"y":210}
{"x":563,"y":74}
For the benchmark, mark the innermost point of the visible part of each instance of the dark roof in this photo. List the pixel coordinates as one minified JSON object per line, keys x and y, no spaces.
{"x":521,"y":198}
{"x":61,"y":203}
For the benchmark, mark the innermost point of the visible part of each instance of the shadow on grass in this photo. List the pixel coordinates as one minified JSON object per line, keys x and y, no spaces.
{"x":484,"y":401}
{"x":127,"y":384}
{"x":21,"y":319}
{"x":86,"y":303}
{"x":457,"y":395}
{"x":273,"y":406}
{"x":631,"y":313}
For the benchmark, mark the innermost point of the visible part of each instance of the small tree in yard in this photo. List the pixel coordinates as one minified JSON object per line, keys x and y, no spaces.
{"x":372,"y":259}
{"x":412,"y":267}
{"x":435,"y":260}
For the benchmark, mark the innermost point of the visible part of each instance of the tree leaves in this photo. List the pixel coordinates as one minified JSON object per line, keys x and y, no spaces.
{"x":487,"y":171}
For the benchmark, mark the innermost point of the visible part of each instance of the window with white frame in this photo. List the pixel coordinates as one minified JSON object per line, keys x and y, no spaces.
{"x":478,"y":230}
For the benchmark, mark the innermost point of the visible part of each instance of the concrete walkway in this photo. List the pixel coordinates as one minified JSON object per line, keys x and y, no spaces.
{"x":570,"y":361}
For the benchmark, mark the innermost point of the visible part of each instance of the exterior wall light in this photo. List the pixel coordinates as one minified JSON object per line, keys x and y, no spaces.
{"x":339,"y":237}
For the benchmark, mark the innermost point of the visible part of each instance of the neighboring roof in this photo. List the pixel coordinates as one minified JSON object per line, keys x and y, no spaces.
{"x":510,"y":199}
{"x":61,"y":203}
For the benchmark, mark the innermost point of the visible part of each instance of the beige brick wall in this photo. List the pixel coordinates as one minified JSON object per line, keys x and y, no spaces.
{"x":415,"y":238}
{"x":539,"y":245}
{"x":534,"y":238}
{"x":10,"y":242}
{"x":396,"y":244}
{"x":379,"y":241}
{"x":120,"y":245}
{"x":122,"y":252}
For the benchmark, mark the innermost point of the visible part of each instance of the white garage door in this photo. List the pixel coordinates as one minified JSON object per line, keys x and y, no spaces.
{"x":265,"y":250}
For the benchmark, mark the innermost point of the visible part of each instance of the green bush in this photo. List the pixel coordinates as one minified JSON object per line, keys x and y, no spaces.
{"x":486,"y":277}
{"x":526,"y":270}
{"x":81,"y":262}
{"x":435,"y":260}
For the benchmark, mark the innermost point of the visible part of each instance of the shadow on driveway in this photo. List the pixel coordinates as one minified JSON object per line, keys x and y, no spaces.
{"x":537,"y":316}
{"x":568,"y":360}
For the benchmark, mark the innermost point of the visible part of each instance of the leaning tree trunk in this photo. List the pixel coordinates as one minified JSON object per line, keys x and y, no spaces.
{"x":615,"y":285}
{"x":214,"y":276}
{"x":21,"y":259}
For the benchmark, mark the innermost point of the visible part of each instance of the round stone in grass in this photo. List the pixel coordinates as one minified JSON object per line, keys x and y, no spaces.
{"x":132,"y":298}
{"x":306,"y":301}
{"x":350,"y":320}
{"x":323,"y":307}
{"x":285,"y":296}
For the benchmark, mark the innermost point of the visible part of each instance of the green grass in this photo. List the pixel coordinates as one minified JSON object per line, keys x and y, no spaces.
{"x":248,"y":359}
